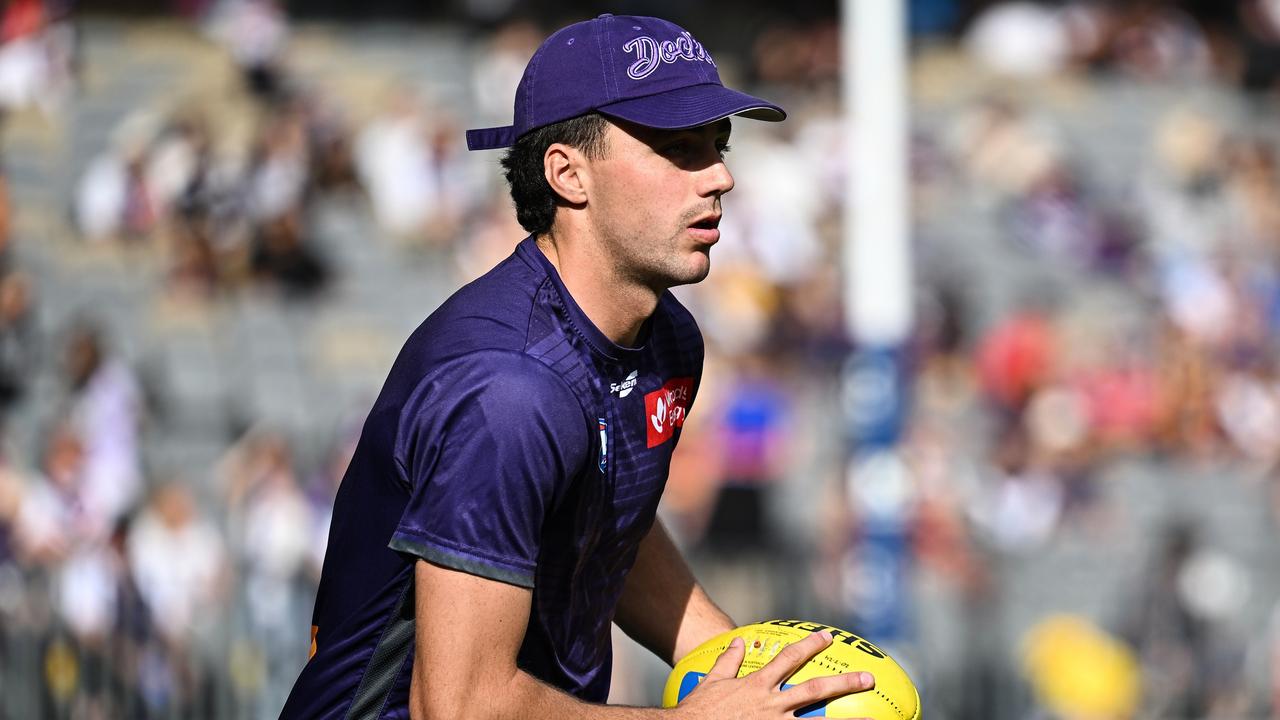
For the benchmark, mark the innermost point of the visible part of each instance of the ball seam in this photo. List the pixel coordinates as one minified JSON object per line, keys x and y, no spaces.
{"x":892,"y":704}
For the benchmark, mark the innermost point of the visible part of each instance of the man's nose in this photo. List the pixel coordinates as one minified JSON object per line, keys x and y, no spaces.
{"x":716,"y":179}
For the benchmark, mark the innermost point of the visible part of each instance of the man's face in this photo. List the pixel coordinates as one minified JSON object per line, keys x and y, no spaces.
{"x":655,"y":201}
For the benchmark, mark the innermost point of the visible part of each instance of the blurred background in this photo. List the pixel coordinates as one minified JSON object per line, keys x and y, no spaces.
{"x":219,"y":219}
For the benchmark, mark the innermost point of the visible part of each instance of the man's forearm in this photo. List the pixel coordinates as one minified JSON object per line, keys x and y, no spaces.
{"x":663,"y":607}
{"x":468,"y":634}
{"x":523,"y":697}
{"x":532,"y":699}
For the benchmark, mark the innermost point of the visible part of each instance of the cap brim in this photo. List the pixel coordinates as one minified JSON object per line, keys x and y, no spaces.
{"x":685,"y":107}
{"x":692,"y":106}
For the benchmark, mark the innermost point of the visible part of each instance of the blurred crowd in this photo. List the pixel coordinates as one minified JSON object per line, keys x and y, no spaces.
{"x":1149,"y":335}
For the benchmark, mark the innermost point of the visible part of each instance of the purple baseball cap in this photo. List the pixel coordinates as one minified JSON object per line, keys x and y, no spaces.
{"x":640,"y":69}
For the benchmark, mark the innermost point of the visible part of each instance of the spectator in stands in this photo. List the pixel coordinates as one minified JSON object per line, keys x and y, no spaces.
{"x":12,"y":489}
{"x":179,"y":563}
{"x":1154,"y":40}
{"x":1015,"y":358}
{"x":753,"y":419}
{"x":1020,"y":39}
{"x":500,"y":62}
{"x":1259,"y":38}
{"x":1059,"y":217}
{"x":177,"y":165}
{"x":799,"y":55}
{"x":394,"y":157}
{"x":52,"y":517}
{"x":6,"y":221}
{"x":741,"y":534}
{"x":113,"y":199}
{"x":1175,"y":620}
{"x":17,"y":340}
{"x":1022,"y":504}
{"x":324,"y":486}
{"x":942,"y":536}
{"x":284,"y":260}
{"x":106,"y":409}
{"x":205,"y":211}
{"x":1003,"y":147}
{"x":779,"y":212}
{"x":279,"y":172}
{"x":1181,"y":192}
{"x":1248,"y":410}
{"x":333,"y":167}
{"x":36,"y":56}
{"x":1120,"y":397}
{"x":1186,"y":423}
{"x":196,"y":271}
{"x":489,"y":240}
{"x":270,"y":531}
{"x":98,"y":206}
{"x":1253,"y":202}
{"x":420,"y":181}
{"x":130,"y":635}
{"x":268,"y":516}
{"x":256,"y":33}
{"x":941,"y":347}
{"x":58,"y":542}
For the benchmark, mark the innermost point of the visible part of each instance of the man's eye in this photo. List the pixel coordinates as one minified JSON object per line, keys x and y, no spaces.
{"x":676,"y":149}
{"x":722,"y":149}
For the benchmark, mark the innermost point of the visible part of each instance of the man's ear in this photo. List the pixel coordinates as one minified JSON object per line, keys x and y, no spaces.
{"x":565,"y":170}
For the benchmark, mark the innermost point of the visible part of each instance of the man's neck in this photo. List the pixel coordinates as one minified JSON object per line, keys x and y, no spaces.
{"x":616,"y":306}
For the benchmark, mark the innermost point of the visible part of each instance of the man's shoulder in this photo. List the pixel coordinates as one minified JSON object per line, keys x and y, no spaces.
{"x":492,"y":312}
{"x":497,"y":332}
{"x":514,"y":377}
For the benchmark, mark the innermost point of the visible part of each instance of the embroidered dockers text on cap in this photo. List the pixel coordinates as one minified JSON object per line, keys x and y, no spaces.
{"x":651,"y":54}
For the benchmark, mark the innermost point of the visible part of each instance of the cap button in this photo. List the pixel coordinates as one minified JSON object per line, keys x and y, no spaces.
{"x":604,"y":15}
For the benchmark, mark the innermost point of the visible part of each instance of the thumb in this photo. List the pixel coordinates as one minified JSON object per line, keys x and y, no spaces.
{"x":726,"y":666}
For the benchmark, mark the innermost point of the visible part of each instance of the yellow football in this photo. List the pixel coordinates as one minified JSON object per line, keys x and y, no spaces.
{"x":893,"y":698}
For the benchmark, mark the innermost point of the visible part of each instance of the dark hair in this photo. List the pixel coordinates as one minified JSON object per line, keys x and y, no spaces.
{"x":534,"y":199}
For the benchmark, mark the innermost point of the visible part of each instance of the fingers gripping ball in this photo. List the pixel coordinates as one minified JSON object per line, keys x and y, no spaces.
{"x":894,"y":697}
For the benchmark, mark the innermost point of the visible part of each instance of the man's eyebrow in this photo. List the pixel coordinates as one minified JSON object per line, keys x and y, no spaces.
{"x":719,"y":128}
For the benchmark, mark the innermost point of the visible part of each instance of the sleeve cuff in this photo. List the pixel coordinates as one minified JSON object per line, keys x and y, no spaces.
{"x":455,"y":560}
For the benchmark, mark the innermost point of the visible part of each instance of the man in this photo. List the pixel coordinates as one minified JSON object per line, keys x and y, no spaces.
{"x":499,"y":512}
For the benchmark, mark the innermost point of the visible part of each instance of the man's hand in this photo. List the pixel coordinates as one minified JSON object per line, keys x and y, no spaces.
{"x":759,"y":696}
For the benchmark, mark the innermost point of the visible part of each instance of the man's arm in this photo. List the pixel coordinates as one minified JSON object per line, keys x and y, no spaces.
{"x":468,"y":633}
{"x":662,"y":606}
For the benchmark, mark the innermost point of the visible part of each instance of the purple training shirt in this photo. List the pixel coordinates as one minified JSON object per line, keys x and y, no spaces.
{"x":512,"y":440}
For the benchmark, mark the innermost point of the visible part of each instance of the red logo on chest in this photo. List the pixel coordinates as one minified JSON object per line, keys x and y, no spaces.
{"x":665,"y":409}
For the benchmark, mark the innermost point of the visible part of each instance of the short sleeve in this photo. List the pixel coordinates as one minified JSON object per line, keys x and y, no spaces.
{"x":488,"y":445}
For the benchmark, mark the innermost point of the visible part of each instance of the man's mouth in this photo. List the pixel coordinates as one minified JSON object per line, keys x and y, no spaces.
{"x":706,"y":229}
{"x":707,"y":222}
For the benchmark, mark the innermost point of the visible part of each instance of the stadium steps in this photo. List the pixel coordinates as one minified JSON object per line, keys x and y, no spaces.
{"x":366,"y":65}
